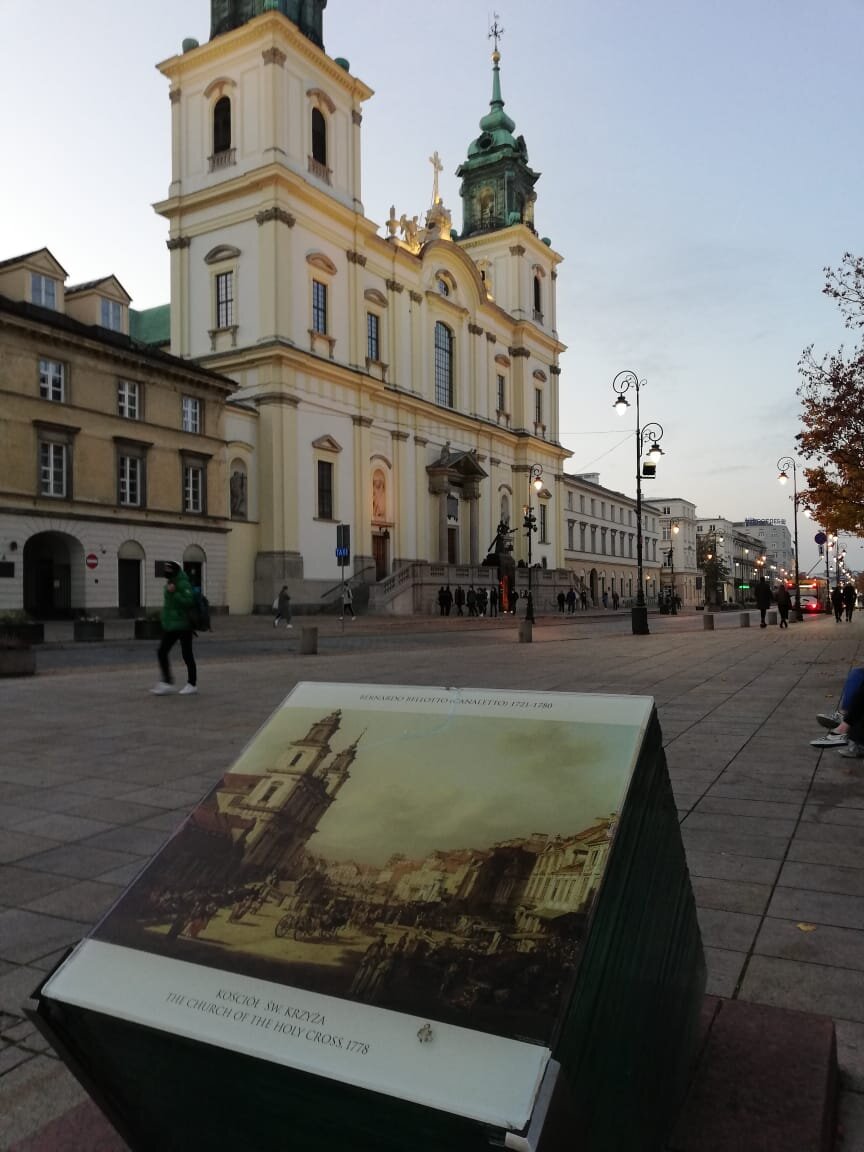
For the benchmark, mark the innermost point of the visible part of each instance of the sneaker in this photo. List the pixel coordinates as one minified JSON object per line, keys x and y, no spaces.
{"x":829,"y":741}
{"x":163,"y":689}
{"x":853,"y":751}
{"x":829,"y":719}
{"x":289,"y":625}
{"x":189,"y":690}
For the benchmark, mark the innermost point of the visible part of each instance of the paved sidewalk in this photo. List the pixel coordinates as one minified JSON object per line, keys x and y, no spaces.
{"x":95,"y":772}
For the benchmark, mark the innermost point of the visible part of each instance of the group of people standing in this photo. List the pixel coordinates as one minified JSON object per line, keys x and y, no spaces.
{"x":567,"y":601}
{"x":477,"y":601}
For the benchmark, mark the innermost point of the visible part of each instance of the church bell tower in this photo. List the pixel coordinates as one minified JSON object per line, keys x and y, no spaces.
{"x":308,"y":15}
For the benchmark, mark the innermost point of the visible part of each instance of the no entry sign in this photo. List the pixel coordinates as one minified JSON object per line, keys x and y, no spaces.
{"x":92,"y":560}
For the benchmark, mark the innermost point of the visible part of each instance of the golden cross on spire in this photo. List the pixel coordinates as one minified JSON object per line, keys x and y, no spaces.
{"x":496,"y":31}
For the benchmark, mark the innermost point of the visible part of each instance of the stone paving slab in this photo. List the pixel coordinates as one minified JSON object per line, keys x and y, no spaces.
{"x":737,"y":709}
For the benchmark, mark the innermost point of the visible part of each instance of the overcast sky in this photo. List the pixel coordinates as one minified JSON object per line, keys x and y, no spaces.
{"x":700,"y":163}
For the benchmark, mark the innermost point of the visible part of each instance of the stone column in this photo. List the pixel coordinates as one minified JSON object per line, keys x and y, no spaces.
{"x":471,"y":494}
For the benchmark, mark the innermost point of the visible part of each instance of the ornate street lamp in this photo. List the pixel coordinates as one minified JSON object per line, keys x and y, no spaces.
{"x":535,"y":484}
{"x":653,"y":434}
{"x":784,"y":464}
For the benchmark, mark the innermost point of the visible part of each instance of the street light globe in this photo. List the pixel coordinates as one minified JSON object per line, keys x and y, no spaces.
{"x":621,"y":405}
{"x":538,"y":484}
{"x":783,"y":477}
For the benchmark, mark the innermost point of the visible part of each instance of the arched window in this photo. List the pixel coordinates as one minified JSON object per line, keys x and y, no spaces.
{"x":538,"y":298}
{"x":222,"y":125}
{"x":319,"y":137}
{"x":443,"y":365}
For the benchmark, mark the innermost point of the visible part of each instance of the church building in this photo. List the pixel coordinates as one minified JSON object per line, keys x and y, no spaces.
{"x":401,"y":380}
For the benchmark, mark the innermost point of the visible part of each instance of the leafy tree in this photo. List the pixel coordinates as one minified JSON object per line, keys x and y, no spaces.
{"x":715,"y":571}
{"x":832,"y":415}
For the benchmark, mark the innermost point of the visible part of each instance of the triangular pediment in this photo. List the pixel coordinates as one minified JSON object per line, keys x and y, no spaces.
{"x":458,"y":465}
{"x":327,"y":444}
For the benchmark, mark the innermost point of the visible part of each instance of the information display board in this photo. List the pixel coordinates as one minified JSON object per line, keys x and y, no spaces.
{"x":390,"y":890}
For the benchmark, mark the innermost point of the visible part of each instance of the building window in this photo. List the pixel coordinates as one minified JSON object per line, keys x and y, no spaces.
{"x":538,"y":405}
{"x":581,"y":503}
{"x":193,"y":488}
{"x":222,"y":125}
{"x":443,"y":287}
{"x":224,"y":299}
{"x":127,"y":400}
{"x":130,"y":481}
{"x":112,"y":315}
{"x":191,"y":414}
{"x":602,"y":509}
{"x":502,"y":394}
{"x":52,"y":380}
{"x":53,"y":468}
{"x":570,"y":527}
{"x":538,"y":299}
{"x":582,"y":537}
{"x":373,"y":343}
{"x":543,"y":538}
{"x":594,"y":538}
{"x":325,"y":490}
{"x":319,"y":137}
{"x":43,"y":291}
{"x":612,"y":536}
{"x":443,"y":365}
{"x":593,"y":507}
{"x":319,"y":307}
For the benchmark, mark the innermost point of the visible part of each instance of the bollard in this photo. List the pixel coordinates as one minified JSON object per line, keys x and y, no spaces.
{"x":744,"y":619}
{"x":708,"y":622}
{"x":525,"y":631}
{"x":771,"y":618}
{"x":308,"y":641}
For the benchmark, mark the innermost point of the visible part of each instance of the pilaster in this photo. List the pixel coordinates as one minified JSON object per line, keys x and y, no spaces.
{"x":278,"y":479}
{"x":274,"y":272}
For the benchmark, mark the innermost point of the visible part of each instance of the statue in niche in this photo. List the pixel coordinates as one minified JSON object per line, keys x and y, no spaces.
{"x":379,"y":496}
{"x":238,"y":495}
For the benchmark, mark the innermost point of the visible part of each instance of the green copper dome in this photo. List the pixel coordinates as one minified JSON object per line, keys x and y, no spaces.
{"x":497,"y":184}
{"x":308,"y":15}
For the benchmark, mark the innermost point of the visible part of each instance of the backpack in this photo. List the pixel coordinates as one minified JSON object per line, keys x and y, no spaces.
{"x":199,"y":612}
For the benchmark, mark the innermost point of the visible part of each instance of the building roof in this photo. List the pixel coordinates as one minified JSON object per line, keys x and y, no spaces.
{"x":151,"y":325}
{"x":24,"y":257}
{"x":116,"y":341}
{"x":90,"y":285}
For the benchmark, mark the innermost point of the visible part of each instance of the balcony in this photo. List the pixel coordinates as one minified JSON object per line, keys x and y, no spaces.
{"x":226,"y":159}
{"x":316,"y":168}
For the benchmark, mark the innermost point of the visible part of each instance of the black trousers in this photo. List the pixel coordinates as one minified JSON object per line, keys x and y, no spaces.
{"x":169,"y":639}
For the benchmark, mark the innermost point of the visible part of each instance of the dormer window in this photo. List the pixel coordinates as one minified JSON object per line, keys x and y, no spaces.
{"x":43,"y":290}
{"x":111,"y":315}
{"x":443,"y":287}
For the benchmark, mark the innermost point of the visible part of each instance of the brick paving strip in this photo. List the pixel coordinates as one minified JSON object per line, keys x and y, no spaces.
{"x":95,"y":772}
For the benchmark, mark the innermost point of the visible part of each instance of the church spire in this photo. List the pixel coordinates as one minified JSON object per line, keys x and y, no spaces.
{"x":497,"y":184}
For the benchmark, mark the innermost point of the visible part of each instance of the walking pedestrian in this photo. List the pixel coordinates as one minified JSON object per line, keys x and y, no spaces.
{"x":571,"y":601}
{"x":583,"y":599}
{"x":442,"y":600}
{"x":282,"y":605}
{"x":605,"y":599}
{"x":448,"y":600}
{"x":562,"y":600}
{"x":762,"y":594}
{"x":849,"y":598}
{"x":459,"y":599}
{"x":837,"y":602}
{"x":177,"y":601}
{"x":347,"y":601}
{"x":482,"y":597}
{"x":493,"y":601}
{"x":471,"y":600}
{"x":784,"y":603}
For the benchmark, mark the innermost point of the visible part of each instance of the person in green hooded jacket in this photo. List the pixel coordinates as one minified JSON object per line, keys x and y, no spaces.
{"x":177,"y":600}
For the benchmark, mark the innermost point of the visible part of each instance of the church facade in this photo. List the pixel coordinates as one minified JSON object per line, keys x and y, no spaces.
{"x":401,"y":380}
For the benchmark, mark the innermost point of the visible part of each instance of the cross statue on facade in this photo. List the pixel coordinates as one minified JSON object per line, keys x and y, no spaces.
{"x":437,"y":166}
{"x":496,"y":31}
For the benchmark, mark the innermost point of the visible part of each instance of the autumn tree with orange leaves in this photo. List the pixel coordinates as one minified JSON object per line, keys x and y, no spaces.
{"x":832,"y":418}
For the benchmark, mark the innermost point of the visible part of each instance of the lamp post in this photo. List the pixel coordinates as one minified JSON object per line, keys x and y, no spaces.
{"x":652,"y":433}
{"x":535,"y":482}
{"x":784,"y":464}
{"x":674,"y":529}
